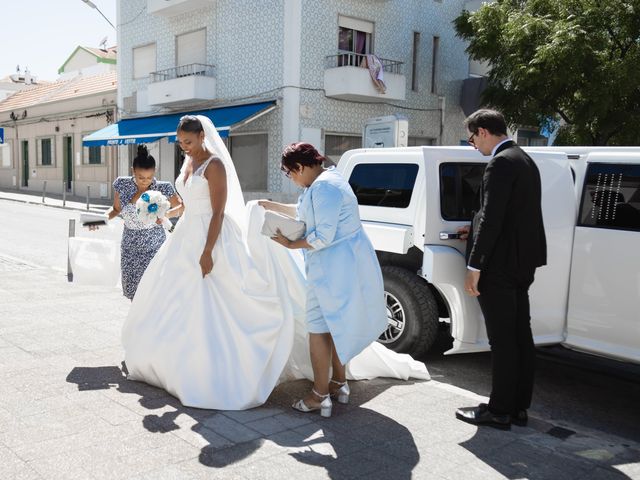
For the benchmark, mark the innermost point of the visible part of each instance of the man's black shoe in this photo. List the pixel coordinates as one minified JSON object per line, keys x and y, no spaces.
{"x":520,"y":418}
{"x":481,"y":415}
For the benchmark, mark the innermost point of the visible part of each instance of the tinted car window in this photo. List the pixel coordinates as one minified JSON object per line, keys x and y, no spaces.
{"x":460,"y":190}
{"x":611,"y":197}
{"x":384,"y":184}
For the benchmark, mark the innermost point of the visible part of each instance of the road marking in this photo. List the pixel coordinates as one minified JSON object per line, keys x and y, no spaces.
{"x":12,"y":264}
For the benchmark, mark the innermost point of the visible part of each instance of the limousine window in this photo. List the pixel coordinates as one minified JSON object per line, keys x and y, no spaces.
{"x":460,"y":190}
{"x":384,"y":184}
{"x":611,"y":197}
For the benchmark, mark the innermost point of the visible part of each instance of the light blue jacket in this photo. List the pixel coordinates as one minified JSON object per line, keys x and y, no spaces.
{"x":342,"y":268}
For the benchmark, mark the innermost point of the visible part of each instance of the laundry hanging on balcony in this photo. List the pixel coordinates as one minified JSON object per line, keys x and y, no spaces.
{"x":374,"y":64}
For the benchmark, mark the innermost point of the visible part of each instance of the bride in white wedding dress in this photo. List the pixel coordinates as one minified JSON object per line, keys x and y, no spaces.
{"x":218,"y":317}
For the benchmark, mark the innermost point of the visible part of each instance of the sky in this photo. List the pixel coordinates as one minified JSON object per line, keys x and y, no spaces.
{"x":41,"y":34}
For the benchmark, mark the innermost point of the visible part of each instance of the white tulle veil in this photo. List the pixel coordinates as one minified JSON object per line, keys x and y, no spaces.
{"x":235,"y":207}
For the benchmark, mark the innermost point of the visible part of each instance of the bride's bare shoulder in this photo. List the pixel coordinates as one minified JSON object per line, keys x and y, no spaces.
{"x":215,"y":168}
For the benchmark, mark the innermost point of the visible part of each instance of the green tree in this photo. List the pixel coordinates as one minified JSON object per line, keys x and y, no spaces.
{"x":573,"y":61}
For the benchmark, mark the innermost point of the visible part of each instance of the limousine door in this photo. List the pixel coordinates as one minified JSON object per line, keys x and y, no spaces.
{"x":454,"y":176}
{"x":604,"y":296}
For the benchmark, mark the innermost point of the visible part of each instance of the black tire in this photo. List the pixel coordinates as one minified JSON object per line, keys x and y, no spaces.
{"x":413,"y":308}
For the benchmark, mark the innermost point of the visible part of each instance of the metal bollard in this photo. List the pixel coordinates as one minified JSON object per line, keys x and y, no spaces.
{"x":88,"y":192}
{"x":44,"y":190}
{"x":64,"y":193}
{"x":72,"y":233}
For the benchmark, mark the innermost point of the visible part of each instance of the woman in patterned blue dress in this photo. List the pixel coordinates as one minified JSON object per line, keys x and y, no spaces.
{"x":139,"y":242}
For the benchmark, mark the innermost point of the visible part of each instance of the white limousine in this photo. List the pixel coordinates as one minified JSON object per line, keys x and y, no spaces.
{"x":587,"y":297}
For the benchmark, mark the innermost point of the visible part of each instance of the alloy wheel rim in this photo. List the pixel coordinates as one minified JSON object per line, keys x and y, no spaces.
{"x":395,"y":319}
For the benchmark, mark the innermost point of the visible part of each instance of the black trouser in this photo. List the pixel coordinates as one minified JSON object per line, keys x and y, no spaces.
{"x":504,"y":300}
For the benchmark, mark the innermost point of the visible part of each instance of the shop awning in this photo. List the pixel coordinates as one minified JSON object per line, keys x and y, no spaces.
{"x":151,"y":129}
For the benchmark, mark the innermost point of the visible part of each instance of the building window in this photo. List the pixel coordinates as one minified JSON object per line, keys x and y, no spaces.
{"x":611,"y":197}
{"x":335,"y":145}
{"x":434,"y":64}
{"x":354,"y":40}
{"x":144,"y":61}
{"x":6,"y":160}
{"x":92,"y":155}
{"x":250,"y":157}
{"x":414,"y":61}
{"x":420,"y":141}
{"x":460,"y":190}
{"x":384,"y":184}
{"x":191,"y":48}
{"x":45,"y":152}
{"x":531,"y":138}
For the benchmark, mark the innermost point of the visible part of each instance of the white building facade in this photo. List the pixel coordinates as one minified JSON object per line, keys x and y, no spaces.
{"x":305,"y":56}
{"x":44,"y":123}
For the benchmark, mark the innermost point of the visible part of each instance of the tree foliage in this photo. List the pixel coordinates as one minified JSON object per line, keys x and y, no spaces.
{"x":573,"y":61}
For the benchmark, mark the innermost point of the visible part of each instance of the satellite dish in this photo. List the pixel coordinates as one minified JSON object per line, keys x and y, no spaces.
{"x":103,"y":43}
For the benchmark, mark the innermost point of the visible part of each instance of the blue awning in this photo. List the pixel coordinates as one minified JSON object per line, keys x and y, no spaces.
{"x":151,"y":129}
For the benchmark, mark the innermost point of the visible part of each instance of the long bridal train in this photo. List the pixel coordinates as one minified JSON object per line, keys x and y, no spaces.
{"x":375,"y":361}
{"x":226,"y":341}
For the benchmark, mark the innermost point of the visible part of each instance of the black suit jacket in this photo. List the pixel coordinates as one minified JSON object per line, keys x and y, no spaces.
{"x":507,"y":233}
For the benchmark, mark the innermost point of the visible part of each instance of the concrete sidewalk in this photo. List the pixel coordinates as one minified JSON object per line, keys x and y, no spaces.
{"x":67,"y":411}
{"x":72,"y":202}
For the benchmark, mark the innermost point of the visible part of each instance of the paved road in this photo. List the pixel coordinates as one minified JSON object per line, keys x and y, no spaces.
{"x":575,"y":390}
{"x":67,"y":411}
{"x":38,"y":234}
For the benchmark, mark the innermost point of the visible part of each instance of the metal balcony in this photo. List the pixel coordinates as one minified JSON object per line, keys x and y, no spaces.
{"x":347,"y":77}
{"x":183,"y":84}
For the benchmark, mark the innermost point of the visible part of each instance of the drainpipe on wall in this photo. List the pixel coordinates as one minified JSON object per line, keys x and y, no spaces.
{"x":441,"y":106}
{"x":291,"y":77}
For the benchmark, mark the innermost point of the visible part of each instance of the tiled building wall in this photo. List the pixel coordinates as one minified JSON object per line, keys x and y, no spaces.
{"x":395,"y":23}
{"x":245,"y":43}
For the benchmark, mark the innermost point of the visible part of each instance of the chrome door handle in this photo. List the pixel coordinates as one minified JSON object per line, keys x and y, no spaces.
{"x":449,"y":236}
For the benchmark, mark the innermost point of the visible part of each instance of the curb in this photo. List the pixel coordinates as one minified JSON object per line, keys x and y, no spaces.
{"x":78,"y":209}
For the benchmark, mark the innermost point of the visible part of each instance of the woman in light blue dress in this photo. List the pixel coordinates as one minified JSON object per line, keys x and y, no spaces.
{"x":345,"y":308}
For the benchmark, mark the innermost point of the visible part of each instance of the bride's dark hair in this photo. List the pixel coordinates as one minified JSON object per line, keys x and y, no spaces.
{"x":143,"y":160}
{"x":190,"y":124}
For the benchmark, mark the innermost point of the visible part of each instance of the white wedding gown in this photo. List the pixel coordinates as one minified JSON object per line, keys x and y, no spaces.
{"x":225,"y":341}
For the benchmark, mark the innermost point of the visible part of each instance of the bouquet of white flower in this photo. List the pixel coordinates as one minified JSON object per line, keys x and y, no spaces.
{"x":151,"y":206}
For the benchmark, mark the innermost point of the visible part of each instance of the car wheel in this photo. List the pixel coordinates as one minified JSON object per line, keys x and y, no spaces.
{"x":412,"y":312}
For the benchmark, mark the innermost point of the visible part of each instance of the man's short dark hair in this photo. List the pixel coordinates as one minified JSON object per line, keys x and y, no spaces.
{"x":491,"y":120}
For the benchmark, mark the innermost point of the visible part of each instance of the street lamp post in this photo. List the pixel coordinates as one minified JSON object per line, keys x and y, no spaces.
{"x":93,"y":5}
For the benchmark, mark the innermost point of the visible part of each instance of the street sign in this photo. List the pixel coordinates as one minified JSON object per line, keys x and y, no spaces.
{"x":1,"y":136}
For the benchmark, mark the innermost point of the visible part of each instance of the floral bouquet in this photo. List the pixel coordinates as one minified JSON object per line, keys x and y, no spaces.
{"x":151,"y":206}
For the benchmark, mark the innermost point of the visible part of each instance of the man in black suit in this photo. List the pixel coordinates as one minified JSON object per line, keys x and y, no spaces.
{"x":506,"y":243}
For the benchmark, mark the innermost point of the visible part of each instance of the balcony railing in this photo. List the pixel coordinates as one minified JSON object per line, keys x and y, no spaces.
{"x":193,"y":69}
{"x":351,"y":59}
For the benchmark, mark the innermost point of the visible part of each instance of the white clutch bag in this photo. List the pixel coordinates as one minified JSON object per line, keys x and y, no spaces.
{"x":88,"y":219}
{"x":290,"y":227}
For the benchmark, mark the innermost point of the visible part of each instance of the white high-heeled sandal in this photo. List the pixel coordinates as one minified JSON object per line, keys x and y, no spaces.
{"x":343,"y":393}
{"x":325,"y":405}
